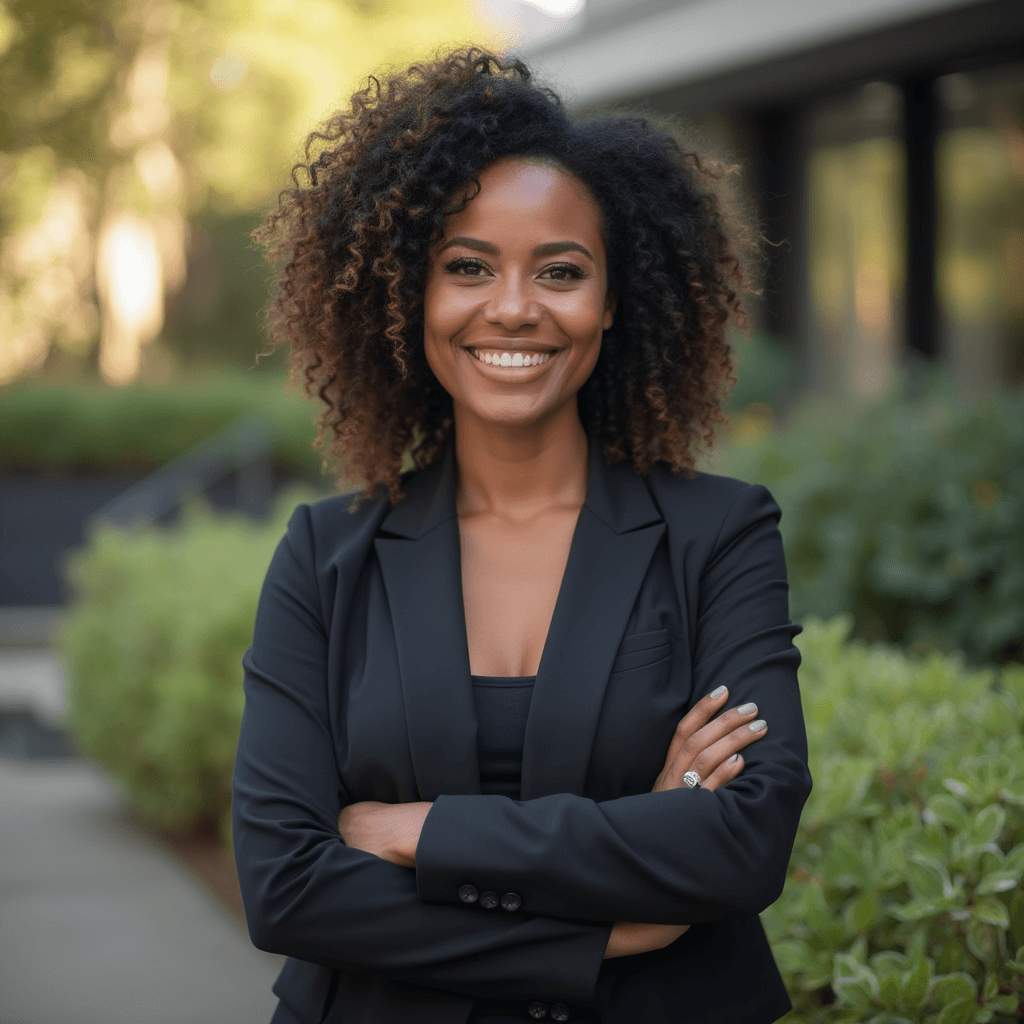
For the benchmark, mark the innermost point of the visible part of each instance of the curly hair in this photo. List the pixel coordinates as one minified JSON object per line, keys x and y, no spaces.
{"x":354,"y":233}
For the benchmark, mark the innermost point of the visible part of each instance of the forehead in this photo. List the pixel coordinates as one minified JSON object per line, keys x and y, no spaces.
{"x":529,"y":197}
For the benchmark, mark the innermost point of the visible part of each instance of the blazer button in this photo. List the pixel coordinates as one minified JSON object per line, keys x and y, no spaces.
{"x":469,"y":894}
{"x":559,"y":1011}
{"x":488,"y":900}
{"x":511,"y":901}
{"x":538,"y":1011}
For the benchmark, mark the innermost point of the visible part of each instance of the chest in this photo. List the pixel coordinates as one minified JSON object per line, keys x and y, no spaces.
{"x":511,"y":576}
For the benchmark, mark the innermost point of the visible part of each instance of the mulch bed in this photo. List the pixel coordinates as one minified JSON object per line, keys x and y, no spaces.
{"x":207,"y":860}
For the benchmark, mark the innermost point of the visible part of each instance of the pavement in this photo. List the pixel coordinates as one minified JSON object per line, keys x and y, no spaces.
{"x":98,"y":923}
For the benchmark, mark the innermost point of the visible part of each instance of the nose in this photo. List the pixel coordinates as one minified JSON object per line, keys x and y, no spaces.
{"x":511,"y":304}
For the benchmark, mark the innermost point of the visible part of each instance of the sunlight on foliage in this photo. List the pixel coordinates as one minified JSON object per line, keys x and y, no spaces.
{"x":125,"y":120}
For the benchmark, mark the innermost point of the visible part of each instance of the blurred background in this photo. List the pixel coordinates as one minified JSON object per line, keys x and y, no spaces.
{"x":148,"y":460}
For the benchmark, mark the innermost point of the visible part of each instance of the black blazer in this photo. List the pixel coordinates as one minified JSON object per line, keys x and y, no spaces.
{"x":358,"y":688}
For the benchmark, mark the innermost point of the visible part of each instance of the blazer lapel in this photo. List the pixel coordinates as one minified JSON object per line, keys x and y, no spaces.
{"x":419,"y":555}
{"x":617,"y":532}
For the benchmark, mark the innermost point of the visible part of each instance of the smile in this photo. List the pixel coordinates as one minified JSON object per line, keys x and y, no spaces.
{"x":498,"y":358}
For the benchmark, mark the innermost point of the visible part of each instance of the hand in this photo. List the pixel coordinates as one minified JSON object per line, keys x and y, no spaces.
{"x":388,"y":831}
{"x":707,"y":746}
{"x":627,"y":938}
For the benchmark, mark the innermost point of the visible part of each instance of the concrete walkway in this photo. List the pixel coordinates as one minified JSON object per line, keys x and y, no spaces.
{"x":98,"y":924}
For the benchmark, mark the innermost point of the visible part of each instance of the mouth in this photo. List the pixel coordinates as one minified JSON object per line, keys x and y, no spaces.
{"x":498,"y":357}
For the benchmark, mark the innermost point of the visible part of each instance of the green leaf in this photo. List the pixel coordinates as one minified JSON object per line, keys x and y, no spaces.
{"x":927,"y":877}
{"x":853,"y":983}
{"x":950,"y":956}
{"x":950,"y":811}
{"x":889,"y":992}
{"x":981,"y":940}
{"x":948,"y":988}
{"x":992,"y":911}
{"x":987,"y":825}
{"x":1004,"y":1004}
{"x":915,"y":982}
{"x":960,"y":1012}
{"x":864,"y":914}
{"x":1017,"y":918}
{"x":991,"y":987}
{"x":1013,"y":794}
{"x":997,"y":881}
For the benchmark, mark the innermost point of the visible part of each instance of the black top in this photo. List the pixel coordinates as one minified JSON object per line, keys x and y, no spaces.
{"x":502,"y":705}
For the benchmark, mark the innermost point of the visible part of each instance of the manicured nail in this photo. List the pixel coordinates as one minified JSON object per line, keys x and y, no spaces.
{"x":759,"y":726}
{"x":716,"y":693}
{"x":747,"y":709}
{"x":735,"y":757}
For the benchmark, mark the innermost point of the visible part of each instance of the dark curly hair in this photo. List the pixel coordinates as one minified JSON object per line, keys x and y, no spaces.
{"x":353,"y":238}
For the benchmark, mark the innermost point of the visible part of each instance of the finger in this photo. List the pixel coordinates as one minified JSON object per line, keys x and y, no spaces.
{"x":725,"y":772}
{"x":707,"y":760}
{"x":688,"y":749}
{"x":699,"y":715}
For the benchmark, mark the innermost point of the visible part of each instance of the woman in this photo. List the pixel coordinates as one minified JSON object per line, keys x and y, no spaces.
{"x":504,"y":753}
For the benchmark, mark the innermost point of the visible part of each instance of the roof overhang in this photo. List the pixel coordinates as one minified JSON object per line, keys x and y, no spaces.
{"x":710,"y":52}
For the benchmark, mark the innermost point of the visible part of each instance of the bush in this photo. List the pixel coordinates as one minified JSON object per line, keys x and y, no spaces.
{"x":92,"y":428}
{"x":152,"y":644}
{"x":903,"y":900}
{"x":907,"y":514}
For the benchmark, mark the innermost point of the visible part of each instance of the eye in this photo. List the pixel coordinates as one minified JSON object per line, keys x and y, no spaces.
{"x":564,"y":272}
{"x":466,"y":266}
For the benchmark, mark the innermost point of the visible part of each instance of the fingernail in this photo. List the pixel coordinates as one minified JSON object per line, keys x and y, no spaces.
{"x":747,"y":709}
{"x":735,"y":757}
{"x":759,"y":726}
{"x":716,"y":693}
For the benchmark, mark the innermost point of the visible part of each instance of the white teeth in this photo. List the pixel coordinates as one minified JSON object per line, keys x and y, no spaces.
{"x":510,"y":359}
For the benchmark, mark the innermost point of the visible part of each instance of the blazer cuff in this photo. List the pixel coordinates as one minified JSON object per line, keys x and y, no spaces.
{"x":437,"y":881}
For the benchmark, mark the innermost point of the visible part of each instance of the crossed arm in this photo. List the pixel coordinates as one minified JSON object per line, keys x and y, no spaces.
{"x":710,"y":746}
{"x":671,"y":856}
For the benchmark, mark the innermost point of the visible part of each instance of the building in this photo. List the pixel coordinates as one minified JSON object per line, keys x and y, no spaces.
{"x":882,"y":142}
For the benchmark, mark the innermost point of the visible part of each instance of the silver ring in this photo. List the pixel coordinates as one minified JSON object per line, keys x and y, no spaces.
{"x":692,"y":779}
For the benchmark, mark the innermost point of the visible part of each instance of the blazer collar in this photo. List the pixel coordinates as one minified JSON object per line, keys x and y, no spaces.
{"x":615,"y":494}
{"x":419,"y":553}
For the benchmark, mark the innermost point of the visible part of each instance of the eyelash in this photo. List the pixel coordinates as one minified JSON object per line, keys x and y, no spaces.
{"x":576,"y":272}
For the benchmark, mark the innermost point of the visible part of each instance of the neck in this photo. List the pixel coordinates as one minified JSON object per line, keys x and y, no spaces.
{"x":517,"y":471}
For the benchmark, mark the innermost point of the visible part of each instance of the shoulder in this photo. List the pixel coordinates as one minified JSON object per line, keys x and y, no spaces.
{"x":707,"y":502}
{"x":324,"y":531}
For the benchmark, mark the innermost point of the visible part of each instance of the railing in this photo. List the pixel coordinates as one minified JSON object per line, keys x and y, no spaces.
{"x":242,"y":448}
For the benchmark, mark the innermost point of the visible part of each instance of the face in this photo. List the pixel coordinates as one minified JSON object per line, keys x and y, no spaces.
{"x":517,"y":296}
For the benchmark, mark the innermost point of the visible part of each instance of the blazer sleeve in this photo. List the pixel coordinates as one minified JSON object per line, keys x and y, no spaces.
{"x":307,"y":894}
{"x":674,"y":857}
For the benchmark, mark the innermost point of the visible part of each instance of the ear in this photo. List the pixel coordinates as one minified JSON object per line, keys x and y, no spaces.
{"x":610,"y":302}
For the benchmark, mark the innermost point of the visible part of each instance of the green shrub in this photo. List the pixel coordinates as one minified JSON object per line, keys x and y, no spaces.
{"x":907,"y":514}
{"x":151,"y":646}
{"x":903,"y":900}
{"x":92,"y":428}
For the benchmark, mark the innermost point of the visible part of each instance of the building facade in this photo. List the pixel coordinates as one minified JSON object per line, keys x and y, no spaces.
{"x":882,"y":143}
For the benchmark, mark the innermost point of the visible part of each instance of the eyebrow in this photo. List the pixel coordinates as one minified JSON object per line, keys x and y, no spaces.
{"x":547,"y":249}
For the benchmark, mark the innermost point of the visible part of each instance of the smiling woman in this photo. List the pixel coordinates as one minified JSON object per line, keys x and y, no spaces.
{"x":505,"y":753}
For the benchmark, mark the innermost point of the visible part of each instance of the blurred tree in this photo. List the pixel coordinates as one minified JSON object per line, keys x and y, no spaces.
{"x":125,"y":119}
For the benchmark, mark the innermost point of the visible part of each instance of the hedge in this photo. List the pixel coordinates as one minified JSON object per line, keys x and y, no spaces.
{"x":48,"y":427}
{"x":903,"y":901}
{"x":908,"y":514}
